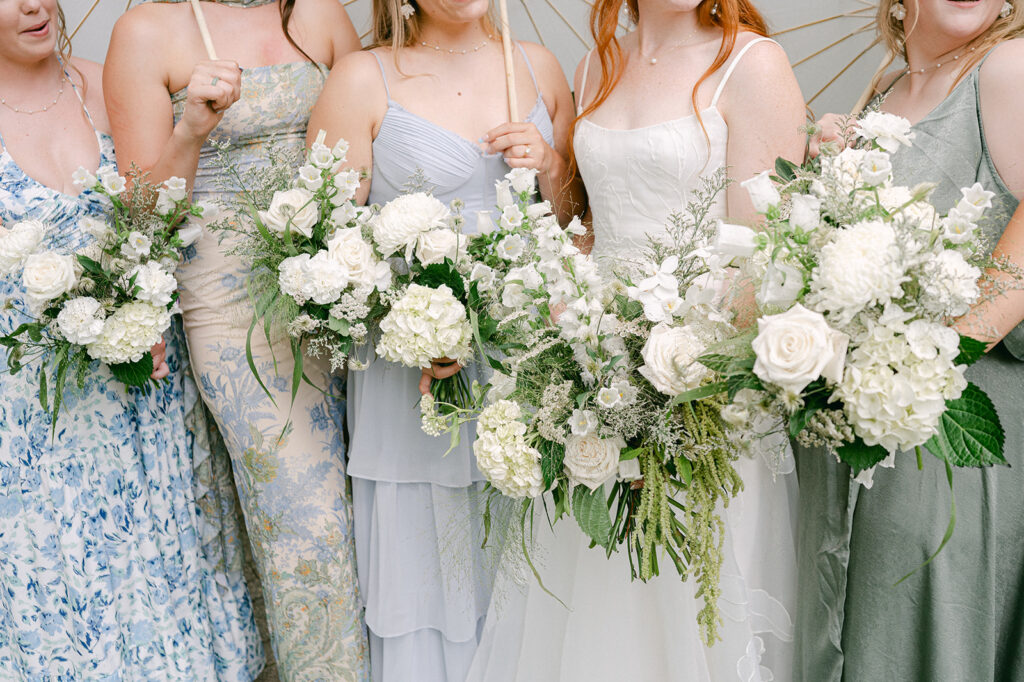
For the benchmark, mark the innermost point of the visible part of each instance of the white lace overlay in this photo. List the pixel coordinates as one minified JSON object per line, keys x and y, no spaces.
{"x":611,"y":629}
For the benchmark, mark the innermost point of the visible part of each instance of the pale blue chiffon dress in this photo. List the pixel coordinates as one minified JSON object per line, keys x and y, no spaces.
{"x":424,"y":580}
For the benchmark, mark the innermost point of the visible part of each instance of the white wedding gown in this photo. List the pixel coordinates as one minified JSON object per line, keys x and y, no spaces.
{"x":611,"y":629}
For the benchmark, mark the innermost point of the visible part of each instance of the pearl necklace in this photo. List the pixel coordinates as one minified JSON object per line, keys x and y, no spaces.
{"x":438,"y":48}
{"x":654,"y":60}
{"x":939,"y":65}
{"x":30,"y":112}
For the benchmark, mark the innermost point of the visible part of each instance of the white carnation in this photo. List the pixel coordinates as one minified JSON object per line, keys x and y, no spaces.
{"x":400,"y":223}
{"x":80,"y":320}
{"x":885,"y":130}
{"x":423,"y":325}
{"x":318,"y":278}
{"x":155,"y":285}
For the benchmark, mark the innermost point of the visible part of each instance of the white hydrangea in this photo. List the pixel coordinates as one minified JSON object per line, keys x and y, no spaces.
{"x":155,"y":284}
{"x":897,"y":382}
{"x":130,"y":332}
{"x":80,"y":320}
{"x":18,"y":242}
{"x":423,"y":325}
{"x":949,"y":284}
{"x":502,"y":454}
{"x":400,"y":223}
{"x":861,"y":266}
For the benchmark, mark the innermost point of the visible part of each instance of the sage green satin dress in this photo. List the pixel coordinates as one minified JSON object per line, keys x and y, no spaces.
{"x":961,"y":618}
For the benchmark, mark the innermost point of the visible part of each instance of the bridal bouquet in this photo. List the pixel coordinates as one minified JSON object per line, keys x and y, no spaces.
{"x":599,"y":399}
{"x":111,"y":300}
{"x":857,"y":279}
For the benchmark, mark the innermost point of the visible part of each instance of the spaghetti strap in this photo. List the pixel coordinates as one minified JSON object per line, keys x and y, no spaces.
{"x":732,"y":65}
{"x":529,"y":67}
{"x":383,"y":74}
{"x":583,"y":83}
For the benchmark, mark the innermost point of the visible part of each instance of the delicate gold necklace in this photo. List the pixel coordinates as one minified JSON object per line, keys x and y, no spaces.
{"x":438,"y":48}
{"x":29,"y":112}
{"x":685,"y":41}
{"x":939,"y":65}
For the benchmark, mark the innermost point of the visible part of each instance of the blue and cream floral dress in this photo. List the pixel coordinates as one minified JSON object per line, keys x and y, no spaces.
{"x":104,"y":574}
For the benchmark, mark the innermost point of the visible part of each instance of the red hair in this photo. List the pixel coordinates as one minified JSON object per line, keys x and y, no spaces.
{"x":732,"y":16}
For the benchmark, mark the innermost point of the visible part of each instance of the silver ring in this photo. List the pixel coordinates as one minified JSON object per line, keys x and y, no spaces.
{"x":215,"y":80}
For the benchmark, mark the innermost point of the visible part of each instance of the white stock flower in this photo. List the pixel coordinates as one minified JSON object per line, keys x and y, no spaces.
{"x":659,"y":291}
{"x":177,"y":188}
{"x":805,"y":212}
{"x":423,"y":325}
{"x":949,"y":284}
{"x":796,"y":347}
{"x":511,"y":247}
{"x":591,"y":460}
{"x":522,"y":179}
{"x":502,"y":454}
{"x":47,"y":276}
{"x":112,"y":182}
{"x":582,"y":422}
{"x":762,"y":191}
{"x":354,"y":256}
{"x":80,"y":320}
{"x":84,"y":178}
{"x":130,"y":332}
{"x":19,"y":242}
{"x":400,"y":223}
{"x":876,"y":168}
{"x":155,"y":284}
{"x":295,"y":210}
{"x":861,"y":266}
{"x":976,"y":199}
{"x":437,"y":245}
{"x":734,"y":241}
{"x":885,"y":130}
{"x":670,"y":360}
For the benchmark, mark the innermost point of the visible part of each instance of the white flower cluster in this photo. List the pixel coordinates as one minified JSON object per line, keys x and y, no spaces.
{"x":416,"y":223}
{"x":18,"y":242}
{"x":502,"y":454}
{"x":423,"y":325}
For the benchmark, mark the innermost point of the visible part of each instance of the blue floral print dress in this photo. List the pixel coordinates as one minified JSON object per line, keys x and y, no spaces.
{"x":105,"y":571}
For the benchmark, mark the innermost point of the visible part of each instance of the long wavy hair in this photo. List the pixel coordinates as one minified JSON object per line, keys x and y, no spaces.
{"x":732,"y":16}
{"x":893,"y":35}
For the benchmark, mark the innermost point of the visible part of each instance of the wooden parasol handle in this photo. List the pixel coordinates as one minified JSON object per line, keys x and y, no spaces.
{"x":510,"y":64}
{"x":204,"y":30}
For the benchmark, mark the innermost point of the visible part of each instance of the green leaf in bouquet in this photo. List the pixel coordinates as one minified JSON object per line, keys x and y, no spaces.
{"x":815,"y":398}
{"x":488,"y":327}
{"x":699,"y":393}
{"x":338,"y":326}
{"x":35,"y":332}
{"x":134,"y":373}
{"x":435,"y":275}
{"x":739,"y":382}
{"x":969,"y":434}
{"x":591,"y":512}
{"x":43,"y":398}
{"x":89,"y":265}
{"x":631,"y":453}
{"x":552,"y":456}
{"x":861,"y":456}
{"x":785,"y":169}
{"x":971,"y":350}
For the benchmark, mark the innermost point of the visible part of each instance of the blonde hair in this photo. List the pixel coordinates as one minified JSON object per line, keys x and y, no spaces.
{"x":891,"y":34}
{"x":391,"y":29}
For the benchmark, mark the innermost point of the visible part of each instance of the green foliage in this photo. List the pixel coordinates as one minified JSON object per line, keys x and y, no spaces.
{"x":971,"y":350}
{"x":439,"y":274}
{"x":970,"y":434}
{"x":861,"y":456}
{"x":552,"y":456}
{"x":591,"y":513}
{"x":134,"y":373}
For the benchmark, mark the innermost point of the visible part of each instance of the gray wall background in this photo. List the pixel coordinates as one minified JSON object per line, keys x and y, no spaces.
{"x":562,"y":26}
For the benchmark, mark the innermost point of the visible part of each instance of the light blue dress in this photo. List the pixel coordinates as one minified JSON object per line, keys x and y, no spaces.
{"x":103,"y":568}
{"x":293,"y":489}
{"x":418,"y":512}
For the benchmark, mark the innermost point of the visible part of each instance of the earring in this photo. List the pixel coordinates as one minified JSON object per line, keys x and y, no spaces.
{"x":714,"y":9}
{"x":1006,"y":11}
{"x":407,"y":10}
{"x":898,"y":11}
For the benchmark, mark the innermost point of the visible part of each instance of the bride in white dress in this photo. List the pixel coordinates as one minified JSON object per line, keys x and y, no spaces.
{"x":642,"y":148}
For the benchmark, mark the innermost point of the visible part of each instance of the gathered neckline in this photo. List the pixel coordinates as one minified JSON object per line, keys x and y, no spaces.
{"x":265,"y":67}
{"x":661,"y":124}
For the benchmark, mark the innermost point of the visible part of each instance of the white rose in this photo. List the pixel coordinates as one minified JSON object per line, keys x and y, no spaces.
{"x":522,"y":179}
{"x":80,"y":320}
{"x":155,"y":284}
{"x":18,"y":243}
{"x":437,"y":245}
{"x":734,"y":241}
{"x":48,"y":276}
{"x":294,"y":210}
{"x":885,"y":130}
{"x":670,"y":360}
{"x":796,"y":347}
{"x":761,"y":189}
{"x":591,"y":460}
{"x":805,"y":212}
{"x":353,"y":255}
{"x":511,"y":247}
{"x":177,"y":188}
{"x":400,"y":223}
